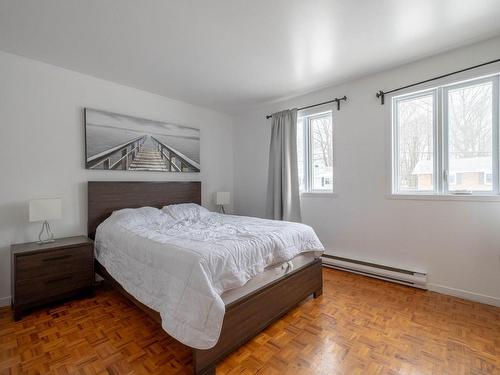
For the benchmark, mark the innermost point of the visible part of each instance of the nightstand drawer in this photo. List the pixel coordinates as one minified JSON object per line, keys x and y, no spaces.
{"x":48,"y":286}
{"x":77,"y":259}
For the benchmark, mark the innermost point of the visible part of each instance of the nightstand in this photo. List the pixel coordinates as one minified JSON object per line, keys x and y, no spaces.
{"x":49,"y":272}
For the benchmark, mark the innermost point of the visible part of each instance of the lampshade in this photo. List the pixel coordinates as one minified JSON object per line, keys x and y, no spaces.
{"x":45,"y":209}
{"x":222,"y":197}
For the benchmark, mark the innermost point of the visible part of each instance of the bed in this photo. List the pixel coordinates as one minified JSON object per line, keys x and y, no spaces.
{"x":248,"y":309}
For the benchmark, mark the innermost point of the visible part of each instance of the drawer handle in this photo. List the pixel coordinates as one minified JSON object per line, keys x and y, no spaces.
{"x":56,"y":258}
{"x":58,"y":279}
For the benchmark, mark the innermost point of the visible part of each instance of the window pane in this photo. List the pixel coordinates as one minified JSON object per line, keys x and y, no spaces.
{"x":415,"y":144}
{"x":322,"y":153}
{"x":300,"y":153}
{"x":470,"y":135}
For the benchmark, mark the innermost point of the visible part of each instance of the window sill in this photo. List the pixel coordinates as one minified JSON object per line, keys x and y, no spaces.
{"x":448,"y":197}
{"x":317,"y":194}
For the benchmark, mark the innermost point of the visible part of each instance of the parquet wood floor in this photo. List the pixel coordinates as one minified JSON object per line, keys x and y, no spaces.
{"x":359,"y":326}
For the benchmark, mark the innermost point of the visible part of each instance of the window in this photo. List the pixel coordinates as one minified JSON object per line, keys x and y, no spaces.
{"x":315,"y":152}
{"x":445,"y":140}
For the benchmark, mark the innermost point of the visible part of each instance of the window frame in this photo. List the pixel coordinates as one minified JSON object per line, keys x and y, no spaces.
{"x":306,"y":118}
{"x":440,"y":146}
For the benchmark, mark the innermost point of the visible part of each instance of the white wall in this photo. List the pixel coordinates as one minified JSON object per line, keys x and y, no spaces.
{"x":42,"y":146}
{"x":456,"y":242}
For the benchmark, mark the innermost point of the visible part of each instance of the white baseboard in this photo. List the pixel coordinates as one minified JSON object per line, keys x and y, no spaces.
{"x":4,"y":301}
{"x":465,"y":294}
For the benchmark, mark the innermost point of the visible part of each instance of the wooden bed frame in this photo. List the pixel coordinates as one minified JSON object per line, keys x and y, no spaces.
{"x":245,"y":317}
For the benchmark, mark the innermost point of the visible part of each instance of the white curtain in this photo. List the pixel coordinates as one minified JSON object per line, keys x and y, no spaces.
{"x":283,"y":201}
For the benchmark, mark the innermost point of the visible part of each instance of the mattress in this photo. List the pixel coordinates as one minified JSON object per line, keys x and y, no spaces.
{"x":269,"y":275}
{"x":186,"y":262}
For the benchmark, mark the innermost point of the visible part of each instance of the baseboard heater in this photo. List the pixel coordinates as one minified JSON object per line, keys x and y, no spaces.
{"x":395,"y":275}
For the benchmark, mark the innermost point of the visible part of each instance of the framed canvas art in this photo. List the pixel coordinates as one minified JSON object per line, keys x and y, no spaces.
{"x":120,"y":142}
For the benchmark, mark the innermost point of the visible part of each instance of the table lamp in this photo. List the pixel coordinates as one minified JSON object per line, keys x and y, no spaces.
{"x":222,"y":198}
{"x":44,"y":210}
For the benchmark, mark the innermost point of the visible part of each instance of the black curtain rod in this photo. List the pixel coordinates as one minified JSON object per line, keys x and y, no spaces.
{"x":381,"y":94}
{"x":336,"y":100}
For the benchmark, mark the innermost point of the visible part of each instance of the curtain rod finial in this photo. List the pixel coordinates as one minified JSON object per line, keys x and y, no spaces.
{"x":381,"y":95}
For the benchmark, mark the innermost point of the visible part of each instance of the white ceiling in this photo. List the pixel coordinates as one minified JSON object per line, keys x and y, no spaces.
{"x":231,"y":55}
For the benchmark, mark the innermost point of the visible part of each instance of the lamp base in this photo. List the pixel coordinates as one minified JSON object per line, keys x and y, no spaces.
{"x":45,"y":242}
{"x":46,"y":235}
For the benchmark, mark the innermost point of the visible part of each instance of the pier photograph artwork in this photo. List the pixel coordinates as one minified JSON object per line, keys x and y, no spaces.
{"x":121,"y":142}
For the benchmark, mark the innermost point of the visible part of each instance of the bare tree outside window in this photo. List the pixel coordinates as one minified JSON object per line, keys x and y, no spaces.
{"x":315,"y":152}
{"x":322,"y":152}
{"x":323,"y":139}
{"x":470,"y":135}
{"x":415,"y":134}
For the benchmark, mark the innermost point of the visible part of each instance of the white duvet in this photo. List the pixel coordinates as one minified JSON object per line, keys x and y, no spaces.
{"x":179,"y":260}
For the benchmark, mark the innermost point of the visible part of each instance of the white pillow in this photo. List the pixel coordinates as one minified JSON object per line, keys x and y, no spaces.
{"x":136,"y":216}
{"x":186,"y":211}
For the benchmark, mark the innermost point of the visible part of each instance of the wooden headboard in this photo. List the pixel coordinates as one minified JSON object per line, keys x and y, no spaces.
{"x":104,"y":197}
